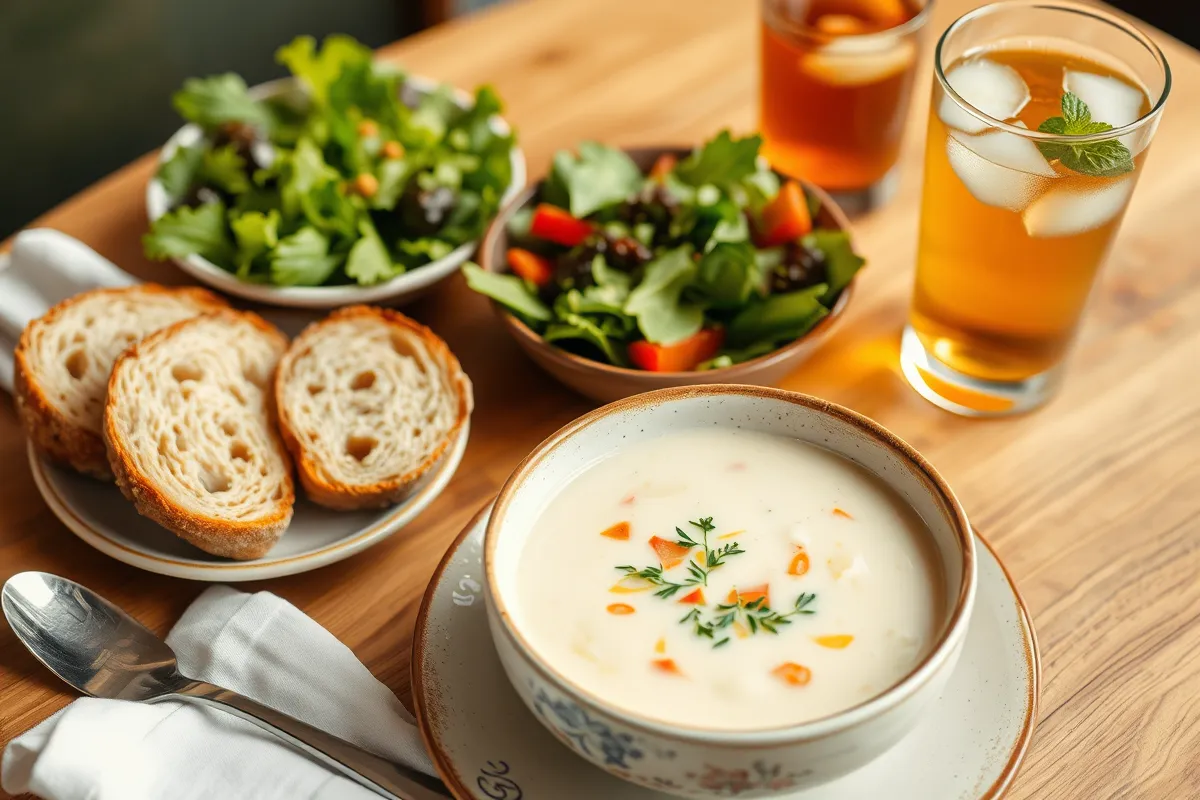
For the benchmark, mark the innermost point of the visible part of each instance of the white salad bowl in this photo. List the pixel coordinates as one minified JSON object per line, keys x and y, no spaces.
{"x":405,"y":287}
{"x":675,"y":758}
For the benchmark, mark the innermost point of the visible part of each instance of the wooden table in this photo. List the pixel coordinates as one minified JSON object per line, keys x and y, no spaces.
{"x":1094,"y":501}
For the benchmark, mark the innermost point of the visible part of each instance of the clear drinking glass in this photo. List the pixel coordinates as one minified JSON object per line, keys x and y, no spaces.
{"x":1016,"y":221}
{"x":836,"y":80}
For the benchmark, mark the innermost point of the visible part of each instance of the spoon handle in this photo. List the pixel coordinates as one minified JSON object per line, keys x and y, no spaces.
{"x":367,"y":769}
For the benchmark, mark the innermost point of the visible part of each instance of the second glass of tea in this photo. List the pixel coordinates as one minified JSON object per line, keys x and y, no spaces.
{"x":836,"y":81}
{"x":1042,"y":116}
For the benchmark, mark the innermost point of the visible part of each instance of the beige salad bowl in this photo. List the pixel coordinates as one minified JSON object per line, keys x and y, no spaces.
{"x":694,"y":762}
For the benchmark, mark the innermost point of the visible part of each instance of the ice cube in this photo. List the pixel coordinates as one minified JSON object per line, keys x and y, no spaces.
{"x":995,"y":89}
{"x":1008,"y":150}
{"x":1066,"y":212}
{"x":859,"y":60}
{"x":991,"y":183}
{"x":1110,"y":100}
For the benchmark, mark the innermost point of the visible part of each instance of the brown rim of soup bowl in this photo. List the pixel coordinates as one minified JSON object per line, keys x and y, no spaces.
{"x":952,"y":634}
{"x":830,"y":216}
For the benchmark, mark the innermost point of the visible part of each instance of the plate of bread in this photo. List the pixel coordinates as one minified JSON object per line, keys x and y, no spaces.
{"x":185,"y":437}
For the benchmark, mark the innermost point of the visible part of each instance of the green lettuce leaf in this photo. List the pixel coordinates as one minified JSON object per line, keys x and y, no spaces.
{"x":579,"y":327}
{"x":841,"y":262}
{"x":210,"y":102}
{"x":663,"y":316}
{"x":180,"y":172}
{"x":779,"y":317}
{"x":317,"y":70}
{"x":416,"y":252}
{"x":507,"y":290}
{"x":600,"y":176}
{"x":225,"y":169}
{"x":255,"y":234}
{"x":304,"y":170}
{"x":369,"y":261}
{"x":722,"y":162}
{"x":728,"y":274}
{"x":303,"y":259}
{"x":185,"y":231}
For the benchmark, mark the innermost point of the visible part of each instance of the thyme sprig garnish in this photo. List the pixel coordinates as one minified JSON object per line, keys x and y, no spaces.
{"x":755,"y":616}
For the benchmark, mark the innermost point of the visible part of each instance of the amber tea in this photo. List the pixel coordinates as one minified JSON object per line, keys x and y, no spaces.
{"x":836,"y":81}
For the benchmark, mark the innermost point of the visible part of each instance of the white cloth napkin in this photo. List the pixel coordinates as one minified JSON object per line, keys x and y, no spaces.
{"x":258,"y":645}
{"x":44,"y":267}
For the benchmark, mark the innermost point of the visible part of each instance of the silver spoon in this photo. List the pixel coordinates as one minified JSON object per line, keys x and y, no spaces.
{"x":101,"y":651}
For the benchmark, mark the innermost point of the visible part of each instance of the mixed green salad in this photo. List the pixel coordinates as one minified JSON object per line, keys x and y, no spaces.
{"x":355,"y":180}
{"x":704,"y":262}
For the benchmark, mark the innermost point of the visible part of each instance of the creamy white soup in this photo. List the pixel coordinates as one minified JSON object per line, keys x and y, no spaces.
{"x":730,"y":580}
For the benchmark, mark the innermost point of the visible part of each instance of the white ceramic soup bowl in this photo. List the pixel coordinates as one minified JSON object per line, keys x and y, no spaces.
{"x":695,"y":762}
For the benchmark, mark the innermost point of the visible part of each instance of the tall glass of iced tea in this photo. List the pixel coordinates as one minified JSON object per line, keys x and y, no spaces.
{"x":836,"y":82}
{"x":1041,"y":118}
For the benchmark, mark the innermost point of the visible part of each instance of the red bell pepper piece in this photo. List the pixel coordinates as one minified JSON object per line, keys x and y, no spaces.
{"x":556,"y":225}
{"x":663,"y":166}
{"x":785,"y":218}
{"x":530,"y":266}
{"x":682,"y":356}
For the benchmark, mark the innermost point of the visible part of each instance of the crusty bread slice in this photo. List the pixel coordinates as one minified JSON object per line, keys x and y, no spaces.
{"x":190,"y":429}
{"x":369,"y":401}
{"x":63,"y":360}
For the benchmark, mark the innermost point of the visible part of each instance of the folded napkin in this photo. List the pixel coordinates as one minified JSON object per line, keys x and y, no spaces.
{"x":45,"y":267}
{"x":258,"y":645}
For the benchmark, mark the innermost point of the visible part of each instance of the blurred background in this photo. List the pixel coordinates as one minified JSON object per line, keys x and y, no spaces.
{"x":86,"y":83}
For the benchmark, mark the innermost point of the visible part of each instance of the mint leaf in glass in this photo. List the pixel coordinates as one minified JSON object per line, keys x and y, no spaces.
{"x":1103,"y":159}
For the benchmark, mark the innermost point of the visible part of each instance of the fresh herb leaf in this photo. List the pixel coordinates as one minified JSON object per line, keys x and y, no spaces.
{"x":211,"y":102}
{"x":777,"y":317}
{"x":507,"y":290}
{"x":186,"y":231}
{"x":728,"y":274}
{"x":577,"y":326}
{"x":662,"y":314}
{"x":256,"y":233}
{"x":1103,"y":159}
{"x":369,"y":261}
{"x":599,"y":177}
{"x":303,"y":259}
{"x":722,"y":162}
{"x":841,"y":262}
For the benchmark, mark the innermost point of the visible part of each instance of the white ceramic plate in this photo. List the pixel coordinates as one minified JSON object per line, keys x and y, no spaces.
{"x":405,"y":287}
{"x":488,"y":746}
{"x":96,"y":512}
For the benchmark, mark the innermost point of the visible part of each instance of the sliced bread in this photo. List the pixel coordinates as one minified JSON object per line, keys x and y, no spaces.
{"x":369,"y":401}
{"x":190,"y":429}
{"x":64,"y":358}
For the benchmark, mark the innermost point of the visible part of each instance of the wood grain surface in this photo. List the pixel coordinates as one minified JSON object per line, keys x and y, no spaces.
{"x":1093,"y":501}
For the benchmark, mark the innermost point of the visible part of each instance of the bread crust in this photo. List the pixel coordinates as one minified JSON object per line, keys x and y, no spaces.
{"x":241,"y":540}
{"x":347,"y":497}
{"x":51,"y":433}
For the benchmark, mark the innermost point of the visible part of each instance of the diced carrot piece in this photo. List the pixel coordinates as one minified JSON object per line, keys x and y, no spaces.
{"x":793,"y":673}
{"x":749,"y":595}
{"x":800,"y":563}
{"x":667,"y":665}
{"x":620,"y":609}
{"x":660,"y":646}
{"x":681,"y":356}
{"x":663,"y":167}
{"x":731,"y":534}
{"x":785,"y":218}
{"x":557,"y":225}
{"x":618,"y":531}
{"x":841,"y":512}
{"x":631,"y":585}
{"x":530,"y":266}
{"x":694,"y":598}
{"x":836,"y":641}
{"x":670,"y":554}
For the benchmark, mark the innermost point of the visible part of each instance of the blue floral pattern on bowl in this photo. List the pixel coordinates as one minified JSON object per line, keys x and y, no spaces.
{"x":591,"y":737}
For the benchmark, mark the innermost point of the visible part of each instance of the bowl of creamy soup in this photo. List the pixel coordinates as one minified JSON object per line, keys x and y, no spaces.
{"x":728,"y":590}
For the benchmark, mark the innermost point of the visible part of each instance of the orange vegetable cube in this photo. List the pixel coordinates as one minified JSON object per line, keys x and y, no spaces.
{"x":660,"y":646}
{"x":670,"y":554}
{"x":667,"y":665}
{"x":836,"y":641}
{"x":618,"y":531}
{"x":620,"y":609}
{"x":840,"y":512}
{"x":793,"y":674}
{"x":750,"y":594}
{"x":694,"y":598}
{"x":800,"y":563}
